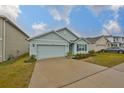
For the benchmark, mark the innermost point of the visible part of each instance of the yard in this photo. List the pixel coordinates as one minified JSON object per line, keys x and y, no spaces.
{"x":106,"y":59}
{"x":16,"y":73}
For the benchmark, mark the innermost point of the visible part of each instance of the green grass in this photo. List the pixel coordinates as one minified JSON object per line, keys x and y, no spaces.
{"x":16,"y":74}
{"x":107,"y":59}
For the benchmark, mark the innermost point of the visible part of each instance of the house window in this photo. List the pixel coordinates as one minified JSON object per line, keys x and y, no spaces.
{"x":33,"y":45}
{"x":114,"y":39}
{"x":122,"y":38}
{"x":114,"y":45}
{"x":81,"y":47}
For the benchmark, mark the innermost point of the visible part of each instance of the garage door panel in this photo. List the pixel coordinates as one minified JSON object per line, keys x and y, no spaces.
{"x":49,"y":51}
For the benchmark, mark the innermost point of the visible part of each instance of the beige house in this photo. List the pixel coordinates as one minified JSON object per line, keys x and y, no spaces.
{"x":13,"y":41}
{"x":98,"y":43}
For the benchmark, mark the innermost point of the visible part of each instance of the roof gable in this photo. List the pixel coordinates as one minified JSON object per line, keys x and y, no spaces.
{"x":82,"y":39}
{"x":67,"y":34}
{"x":94,"y":39}
{"x":49,"y":35}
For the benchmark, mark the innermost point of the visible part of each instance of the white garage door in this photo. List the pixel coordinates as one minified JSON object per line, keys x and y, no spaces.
{"x":49,"y":51}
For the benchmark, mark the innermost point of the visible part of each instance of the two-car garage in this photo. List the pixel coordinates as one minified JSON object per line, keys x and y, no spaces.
{"x":49,"y":45}
{"x":49,"y":51}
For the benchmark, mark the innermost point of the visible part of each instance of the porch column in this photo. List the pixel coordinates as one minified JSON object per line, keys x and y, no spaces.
{"x":75,"y":48}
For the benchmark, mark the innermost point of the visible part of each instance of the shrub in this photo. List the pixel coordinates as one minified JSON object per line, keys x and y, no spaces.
{"x":91,"y":52}
{"x":69,"y":55}
{"x":31,"y":59}
{"x":101,"y":51}
{"x":81,"y":56}
{"x":11,"y":57}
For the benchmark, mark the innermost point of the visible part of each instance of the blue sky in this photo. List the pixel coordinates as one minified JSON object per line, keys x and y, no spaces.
{"x":86,"y":21}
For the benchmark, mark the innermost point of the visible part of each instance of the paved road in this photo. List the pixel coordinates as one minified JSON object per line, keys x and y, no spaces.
{"x":62,"y":72}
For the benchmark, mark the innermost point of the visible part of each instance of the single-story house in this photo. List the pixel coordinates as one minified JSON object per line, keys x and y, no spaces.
{"x":57,"y":44}
{"x":98,"y":43}
{"x":13,"y":41}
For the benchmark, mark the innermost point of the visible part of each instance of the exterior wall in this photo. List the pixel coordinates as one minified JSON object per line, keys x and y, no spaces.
{"x":15,"y":41}
{"x":0,"y":50}
{"x":91,"y":47}
{"x":81,"y":42}
{"x":110,"y":39}
{"x":1,"y":36}
{"x":120,"y":39}
{"x":100,"y":44}
{"x":51,"y":36}
{"x":67,"y":35}
{"x":49,"y":39}
{"x":116,"y":41}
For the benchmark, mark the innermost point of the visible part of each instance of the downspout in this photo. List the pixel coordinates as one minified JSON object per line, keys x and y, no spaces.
{"x":4,"y":40}
{"x":1,"y":29}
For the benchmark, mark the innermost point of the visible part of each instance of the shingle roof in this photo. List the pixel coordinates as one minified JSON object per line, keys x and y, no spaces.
{"x":54,"y":32}
{"x":94,"y":39}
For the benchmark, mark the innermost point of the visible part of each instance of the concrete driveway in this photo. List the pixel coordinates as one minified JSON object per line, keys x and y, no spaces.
{"x":69,"y":73}
{"x":61,"y":72}
{"x":109,"y":78}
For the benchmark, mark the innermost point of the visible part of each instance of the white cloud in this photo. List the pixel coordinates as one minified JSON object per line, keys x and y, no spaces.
{"x":110,"y":27}
{"x":39,"y":27}
{"x":97,"y":9}
{"x":55,"y":14}
{"x":61,"y":15}
{"x":66,"y":14}
{"x":10,"y":11}
{"x":104,"y":32}
{"x":116,"y":7}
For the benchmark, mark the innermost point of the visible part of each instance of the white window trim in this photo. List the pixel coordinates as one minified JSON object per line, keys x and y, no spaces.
{"x":82,"y":47}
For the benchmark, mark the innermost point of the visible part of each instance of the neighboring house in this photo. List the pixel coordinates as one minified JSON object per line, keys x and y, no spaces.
{"x":103,"y":42}
{"x":57,"y":44}
{"x":116,"y":41}
{"x":12,"y":39}
{"x":98,"y":43}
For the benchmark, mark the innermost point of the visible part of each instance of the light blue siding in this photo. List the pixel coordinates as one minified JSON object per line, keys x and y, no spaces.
{"x":82,"y":42}
{"x":67,"y":35}
{"x":48,"y":40}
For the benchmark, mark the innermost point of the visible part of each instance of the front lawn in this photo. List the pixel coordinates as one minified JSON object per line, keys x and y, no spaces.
{"x":16,"y":73}
{"x":106,"y":59}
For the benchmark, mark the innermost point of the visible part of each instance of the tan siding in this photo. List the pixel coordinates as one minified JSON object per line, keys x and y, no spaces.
{"x":0,"y":48}
{"x":100,"y":44}
{"x":15,"y":41}
{"x":0,"y":27}
{"x":0,"y":39}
